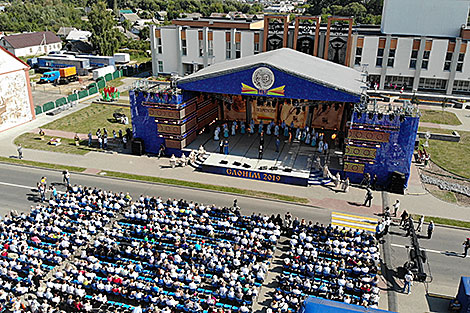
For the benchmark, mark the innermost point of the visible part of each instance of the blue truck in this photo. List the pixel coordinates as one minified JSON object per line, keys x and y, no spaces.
{"x":50,"y":77}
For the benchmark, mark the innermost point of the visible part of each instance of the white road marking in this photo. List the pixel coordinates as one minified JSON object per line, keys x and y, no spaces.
{"x":427,"y":250}
{"x":18,"y":186}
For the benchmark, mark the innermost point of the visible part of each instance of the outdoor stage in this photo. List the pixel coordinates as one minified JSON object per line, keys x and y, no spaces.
{"x":293,"y":164}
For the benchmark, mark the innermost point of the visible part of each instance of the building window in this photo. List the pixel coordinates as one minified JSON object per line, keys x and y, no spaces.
{"x":160,"y":66}
{"x":460,"y":62}
{"x":228,"y":50}
{"x":391,"y":58}
{"x":184,"y":48}
{"x":210,"y":48}
{"x":462,"y":85}
{"x":461,"y":57}
{"x":238,"y":52}
{"x":425,"y":62}
{"x":380,"y":55}
{"x":30,"y":50}
{"x":201,"y":48}
{"x":413,"y":59}
{"x":398,"y":81}
{"x":432,"y":84}
{"x":256,"y":48}
{"x":358,"y":58}
{"x":459,"y":67}
{"x":413,"y":63}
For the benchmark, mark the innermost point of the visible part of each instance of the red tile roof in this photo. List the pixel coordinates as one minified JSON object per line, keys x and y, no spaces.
{"x":31,"y":39}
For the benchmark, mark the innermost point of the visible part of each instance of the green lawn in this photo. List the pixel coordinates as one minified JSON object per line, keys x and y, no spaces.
{"x":444,"y":195}
{"x":439,"y":117}
{"x":90,"y":119}
{"x":42,"y":164}
{"x":435,"y":130}
{"x":32,"y":141}
{"x":115,"y":82}
{"x":442,"y":221}
{"x":452,"y":156}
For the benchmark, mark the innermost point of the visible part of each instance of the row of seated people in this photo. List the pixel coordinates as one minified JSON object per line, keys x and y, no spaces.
{"x":330,"y":262}
{"x":178,"y":255}
{"x":34,"y":243}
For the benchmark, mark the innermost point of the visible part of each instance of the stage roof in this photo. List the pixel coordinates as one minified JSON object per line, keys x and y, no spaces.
{"x":320,"y":305}
{"x":296,"y":75}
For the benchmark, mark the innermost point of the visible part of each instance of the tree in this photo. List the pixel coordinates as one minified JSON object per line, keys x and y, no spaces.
{"x":354,"y":9}
{"x":105,"y":38}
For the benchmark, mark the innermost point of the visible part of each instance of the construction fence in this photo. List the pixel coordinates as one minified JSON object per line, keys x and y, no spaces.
{"x":90,"y":90}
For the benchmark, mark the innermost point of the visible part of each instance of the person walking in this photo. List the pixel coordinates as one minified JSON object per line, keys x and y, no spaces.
{"x":105,"y":141}
{"x":20,"y":151}
{"x":430,"y":229}
{"x":408,"y":282}
{"x":100,"y":142}
{"x":66,"y":178}
{"x":369,"y":197}
{"x":396,"y":207}
{"x":90,"y":137}
{"x":420,"y":224}
{"x":466,"y":246}
{"x":260,"y":152}
{"x":404,"y":217}
{"x":346,"y":185}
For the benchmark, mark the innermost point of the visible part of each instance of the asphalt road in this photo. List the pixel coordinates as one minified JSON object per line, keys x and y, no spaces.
{"x":17,"y":191}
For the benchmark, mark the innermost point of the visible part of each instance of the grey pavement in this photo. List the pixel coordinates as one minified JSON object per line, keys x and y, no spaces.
{"x":462,"y":114}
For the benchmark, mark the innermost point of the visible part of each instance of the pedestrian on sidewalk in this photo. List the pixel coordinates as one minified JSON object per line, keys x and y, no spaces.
{"x":378,"y":230}
{"x":466,"y":246}
{"x":346,"y":185}
{"x":404,"y":217}
{"x":396,"y":207}
{"x":90,"y":138}
{"x":387,"y":223}
{"x":369,"y":197}
{"x":420,"y":224}
{"x":430,"y":229}
{"x":408,"y":282}
{"x":124,"y":142}
{"x":20,"y":151}
{"x":114,"y":134}
{"x":409,"y":224}
{"x":100,"y":142}
{"x":105,"y":141}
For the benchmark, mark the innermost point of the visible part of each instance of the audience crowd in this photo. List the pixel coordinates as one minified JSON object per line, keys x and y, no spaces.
{"x":89,"y":250}
{"x":329,"y":262}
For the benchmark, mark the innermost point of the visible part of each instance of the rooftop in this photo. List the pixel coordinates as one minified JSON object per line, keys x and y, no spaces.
{"x":31,"y":39}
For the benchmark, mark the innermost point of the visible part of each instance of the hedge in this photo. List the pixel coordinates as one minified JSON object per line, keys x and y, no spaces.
{"x":38,"y":110}
{"x":108,"y":77}
{"x":116,"y":75}
{"x":92,"y":90}
{"x":72,"y":97}
{"x":101,"y":83}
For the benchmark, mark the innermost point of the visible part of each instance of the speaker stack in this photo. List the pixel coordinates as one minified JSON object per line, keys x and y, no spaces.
{"x":137,"y":146}
{"x":397,"y":183}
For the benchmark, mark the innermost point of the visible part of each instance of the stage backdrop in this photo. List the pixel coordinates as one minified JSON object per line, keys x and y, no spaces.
{"x":235,"y":108}
{"x":262,"y":110}
{"x":291,"y":113}
{"x":328,"y":115}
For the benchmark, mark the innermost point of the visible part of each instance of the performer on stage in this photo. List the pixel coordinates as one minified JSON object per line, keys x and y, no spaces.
{"x":226,"y":130}
{"x":226,"y":147}
{"x":320,"y":146}
{"x":234,"y":128}
{"x":278,"y":143}
{"x":260,"y":128}
{"x":286,"y":131}
{"x":307,"y":139}
{"x":276,"y":130}
{"x":242,"y":127}
{"x":221,"y":147}
{"x":252,"y":127}
{"x":297,"y":134}
{"x":314,"y":141}
{"x":217,"y":134}
{"x":268,"y":128}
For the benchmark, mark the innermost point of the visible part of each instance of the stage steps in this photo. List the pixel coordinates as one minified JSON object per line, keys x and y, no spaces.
{"x":199,"y":161}
{"x":316,"y":178}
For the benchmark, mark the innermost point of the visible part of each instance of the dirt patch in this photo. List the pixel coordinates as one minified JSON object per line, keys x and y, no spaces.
{"x":453,"y":197}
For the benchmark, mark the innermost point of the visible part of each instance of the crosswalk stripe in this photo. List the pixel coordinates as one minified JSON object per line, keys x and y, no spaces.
{"x":353,"y":221}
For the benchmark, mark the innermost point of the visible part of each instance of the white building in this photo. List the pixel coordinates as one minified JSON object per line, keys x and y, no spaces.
{"x":192,"y":44}
{"x":429,"y":60}
{"x":16,"y":101}
{"x":28,"y":44}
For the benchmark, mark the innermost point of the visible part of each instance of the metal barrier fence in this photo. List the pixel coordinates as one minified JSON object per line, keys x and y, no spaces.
{"x":92,"y":89}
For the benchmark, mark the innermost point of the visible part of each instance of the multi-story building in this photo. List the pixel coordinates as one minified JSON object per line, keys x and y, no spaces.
{"x":418,"y":56}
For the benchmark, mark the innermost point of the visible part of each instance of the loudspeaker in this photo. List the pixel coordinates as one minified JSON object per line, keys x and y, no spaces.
{"x":397,"y":183}
{"x":137,"y":146}
{"x":287,"y":169}
{"x":273,"y":168}
{"x":246,"y":165}
{"x":263,"y":168}
{"x":236,"y":163}
{"x":223,"y":162}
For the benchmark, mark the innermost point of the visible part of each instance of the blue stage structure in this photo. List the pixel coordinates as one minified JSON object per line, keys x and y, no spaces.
{"x":321,"y":305}
{"x":380,"y":142}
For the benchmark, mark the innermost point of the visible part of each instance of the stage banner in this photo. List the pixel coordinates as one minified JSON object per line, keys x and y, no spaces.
{"x":328,"y":115}
{"x":368,"y":135}
{"x":262,"y":110}
{"x":360,"y":152}
{"x":235,"y":109}
{"x":354,"y":167}
{"x":295,"y":114}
